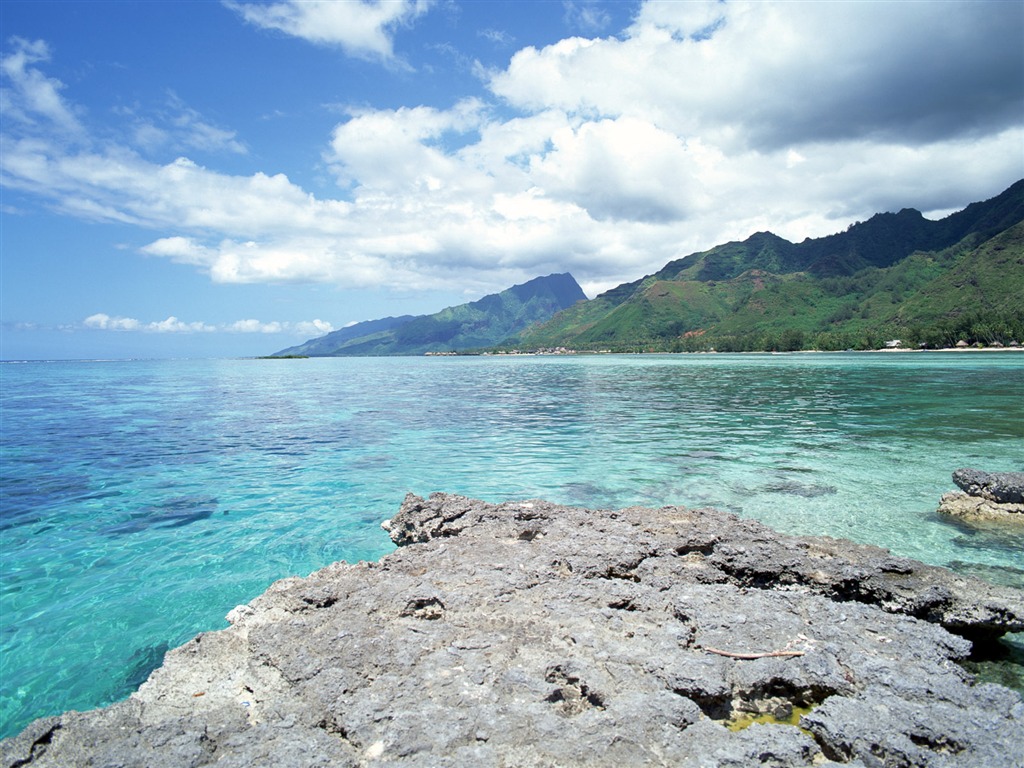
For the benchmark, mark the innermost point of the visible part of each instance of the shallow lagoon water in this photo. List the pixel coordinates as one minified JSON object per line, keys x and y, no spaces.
{"x":142,"y":500}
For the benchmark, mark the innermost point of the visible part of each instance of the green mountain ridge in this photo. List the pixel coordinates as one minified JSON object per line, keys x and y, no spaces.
{"x":478,"y":324}
{"x":897,"y":275}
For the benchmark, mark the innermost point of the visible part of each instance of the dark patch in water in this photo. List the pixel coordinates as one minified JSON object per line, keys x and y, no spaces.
{"x":793,"y":488}
{"x":175,"y":513}
{"x":984,"y":534}
{"x":1004,"y":575}
{"x":373,"y":462}
{"x":999,"y":662}
{"x":583,"y":490}
{"x":22,"y":499}
{"x":23,"y":519}
{"x":589,"y":494}
{"x":704,"y":455}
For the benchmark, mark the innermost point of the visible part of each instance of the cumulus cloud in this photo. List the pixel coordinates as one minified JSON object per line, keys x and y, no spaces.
{"x":606,"y":157}
{"x":254,"y":326}
{"x":363,"y":29}
{"x":766,"y":75}
{"x":624,"y":169}
{"x":396,"y":150}
{"x":104,"y":322}
{"x":316,"y":327}
{"x":174,"y":325}
{"x":288,"y":258}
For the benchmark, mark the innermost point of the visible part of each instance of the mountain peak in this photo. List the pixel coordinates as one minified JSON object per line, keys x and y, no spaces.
{"x":485,"y":322}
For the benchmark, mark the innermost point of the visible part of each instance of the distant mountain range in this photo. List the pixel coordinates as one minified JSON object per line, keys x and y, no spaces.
{"x":894,"y":276}
{"x":478,"y":324}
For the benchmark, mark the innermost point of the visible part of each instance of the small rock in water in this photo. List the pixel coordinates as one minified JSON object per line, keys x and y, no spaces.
{"x":986,"y":496}
{"x":1000,"y":487}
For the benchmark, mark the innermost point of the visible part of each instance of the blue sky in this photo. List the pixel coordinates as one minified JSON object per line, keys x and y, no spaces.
{"x":223,"y":179}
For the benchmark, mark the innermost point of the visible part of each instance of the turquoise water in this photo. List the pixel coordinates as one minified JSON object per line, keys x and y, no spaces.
{"x":143,"y":500}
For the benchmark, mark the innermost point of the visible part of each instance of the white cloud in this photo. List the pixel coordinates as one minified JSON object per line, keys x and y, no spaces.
{"x":313,"y":328}
{"x":694,"y":20}
{"x":174,"y":325}
{"x":176,"y":126}
{"x":104,"y":322}
{"x":766,"y":75}
{"x":704,"y":122}
{"x":290,"y":257}
{"x":498,"y":37}
{"x":392,"y":150}
{"x":361,"y":28}
{"x":32,"y":106}
{"x":119,"y":185}
{"x":624,"y":169}
{"x":585,"y":15}
{"x":32,"y":95}
{"x":254,"y":326}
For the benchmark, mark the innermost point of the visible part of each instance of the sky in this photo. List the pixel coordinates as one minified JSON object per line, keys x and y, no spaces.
{"x":211,"y":179}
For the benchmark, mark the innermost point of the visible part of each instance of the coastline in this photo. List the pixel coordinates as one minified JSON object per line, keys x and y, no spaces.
{"x":955,"y":349}
{"x":574,"y":352}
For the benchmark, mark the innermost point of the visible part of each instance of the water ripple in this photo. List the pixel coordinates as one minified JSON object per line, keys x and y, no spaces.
{"x":141,"y":501}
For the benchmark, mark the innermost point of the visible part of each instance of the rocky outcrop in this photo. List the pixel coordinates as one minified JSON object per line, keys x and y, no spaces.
{"x":986,"y":496}
{"x":532,"y":634}
{"x":1000,"y":487}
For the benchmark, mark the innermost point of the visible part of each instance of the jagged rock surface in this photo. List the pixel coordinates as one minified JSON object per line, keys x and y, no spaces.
{"x":533,"y":634}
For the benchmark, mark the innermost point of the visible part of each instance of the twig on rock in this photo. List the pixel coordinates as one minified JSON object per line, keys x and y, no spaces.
{"x":732,"y":655}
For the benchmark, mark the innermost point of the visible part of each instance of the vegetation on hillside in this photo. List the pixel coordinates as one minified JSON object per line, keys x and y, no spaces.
{"x":477,"y":324}
{"x":895,"y":276}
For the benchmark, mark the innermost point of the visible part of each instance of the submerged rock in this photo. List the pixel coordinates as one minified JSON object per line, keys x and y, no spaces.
{"x":986,"y":496}
{"x":528,"y":633}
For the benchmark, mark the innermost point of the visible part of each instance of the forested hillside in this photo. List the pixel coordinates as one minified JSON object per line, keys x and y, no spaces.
{"x":895,"y":276}
{"x":477,"y":324}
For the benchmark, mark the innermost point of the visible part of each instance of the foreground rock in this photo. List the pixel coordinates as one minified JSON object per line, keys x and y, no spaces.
{"x":530,"y":634}
{"x":986,"y":496}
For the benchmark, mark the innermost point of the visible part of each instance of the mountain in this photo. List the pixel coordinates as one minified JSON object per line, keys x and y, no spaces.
{"x":483,"y":323}
{"x":897,"y":275}
{"x":336,"y":339}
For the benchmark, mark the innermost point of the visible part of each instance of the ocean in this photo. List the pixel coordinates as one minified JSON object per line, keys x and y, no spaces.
{"x":143,"y":500}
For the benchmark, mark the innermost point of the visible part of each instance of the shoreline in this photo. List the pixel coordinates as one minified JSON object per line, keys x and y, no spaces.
{"x":566,"y":353}
{"x":571,"y":353}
